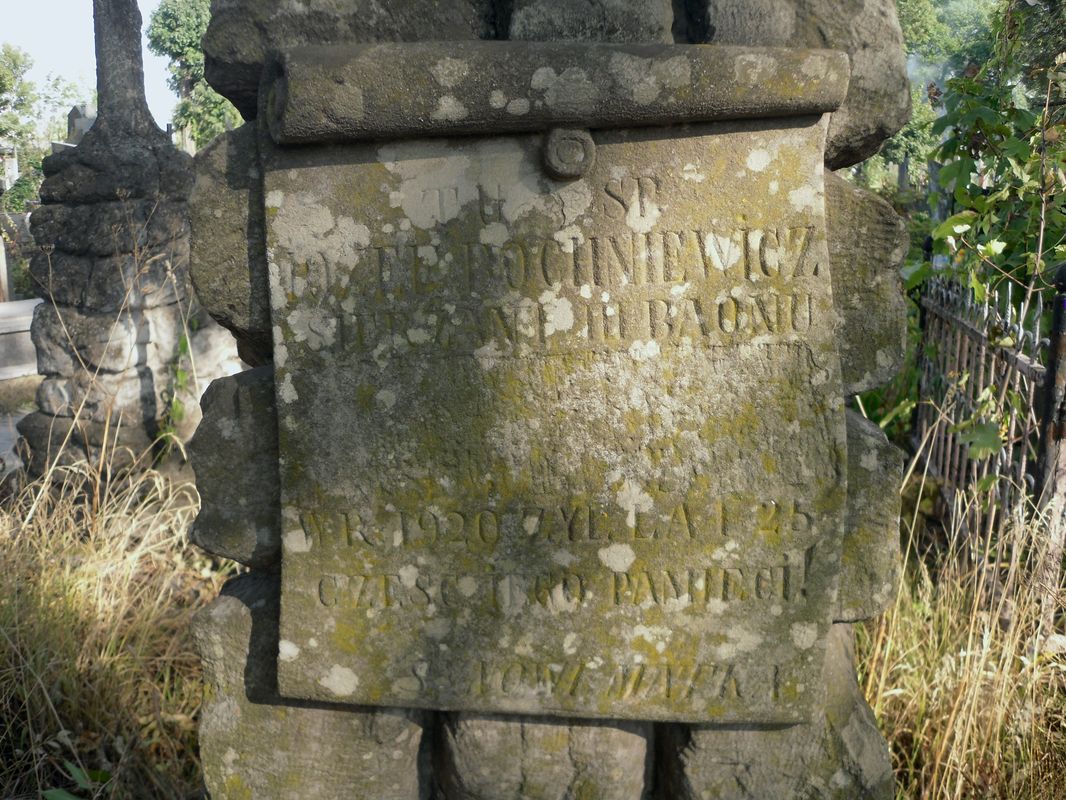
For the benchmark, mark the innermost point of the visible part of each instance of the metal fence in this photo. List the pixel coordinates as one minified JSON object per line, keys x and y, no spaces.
{"x":984,"y":375}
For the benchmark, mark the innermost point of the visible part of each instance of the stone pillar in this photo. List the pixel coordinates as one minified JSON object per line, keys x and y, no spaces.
{"x":549,"y":434}
{"x":119,"y":322}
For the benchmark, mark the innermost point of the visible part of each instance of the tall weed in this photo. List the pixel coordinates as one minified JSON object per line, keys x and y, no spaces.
{"x":968,"y":688}
{"x":99,"y":684}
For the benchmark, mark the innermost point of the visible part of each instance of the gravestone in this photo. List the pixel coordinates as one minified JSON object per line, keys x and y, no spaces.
{"x":119,"y":321}
{"x":556,"y":468}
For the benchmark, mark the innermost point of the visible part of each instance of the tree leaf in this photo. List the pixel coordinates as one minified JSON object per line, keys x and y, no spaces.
{"x":982,"y":439}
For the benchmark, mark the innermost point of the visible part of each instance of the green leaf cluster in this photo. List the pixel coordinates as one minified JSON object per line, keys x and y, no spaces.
{"x":917,"y":139}
{"x":18,"y":96}
{"x":89,"y":781}
{"x":175,"y":31}
{"x":1005,"y":165}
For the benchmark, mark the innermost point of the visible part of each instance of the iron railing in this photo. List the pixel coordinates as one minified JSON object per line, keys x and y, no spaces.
{"x":982,"y":363}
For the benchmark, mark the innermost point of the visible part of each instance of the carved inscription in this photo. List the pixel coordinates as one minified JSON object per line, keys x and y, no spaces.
{"x":558,"y":447}
{"x":445,"y":295}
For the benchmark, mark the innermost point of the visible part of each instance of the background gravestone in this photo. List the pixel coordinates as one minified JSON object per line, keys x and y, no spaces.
{"x":119,"y":318}
{"x":338,"y":269}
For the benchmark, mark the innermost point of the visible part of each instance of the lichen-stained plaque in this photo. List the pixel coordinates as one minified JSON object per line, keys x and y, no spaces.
{"x":558,"y":447}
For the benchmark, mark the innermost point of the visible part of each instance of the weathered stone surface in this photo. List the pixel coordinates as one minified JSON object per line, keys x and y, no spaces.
{"x":840,"y":755}
{"x":245,"y":34}
{"x":228,"y":265}
{"x":111,"y":283}
{"x":770,"y":23}
{"x":63,"y":441}
{"x":878,"y":101}
{"x":870,"y":562}
{"x":867,"y":244}
{"x":502,"y":758}
{"x":389,"y":91}
{"x":69,"y":341}
{"x":501,"y":402}
{"x":102,"y":170}
{"x":104,"y":229}
{"x":596,"y":20}
{"x":235,"y":456}
{"x":254,"y":744}
{"x":108,"y":395}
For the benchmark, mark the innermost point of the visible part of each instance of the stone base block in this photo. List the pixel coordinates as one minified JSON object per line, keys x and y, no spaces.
{"x":107,"y":228}
{"x":69,"y":340}
{"x":593,"y":20}
{"x":244,"y":34}
{"x":110,"y":284}
{"x":64,"y":441}
{"x":503,"y":758}
{"x":878,"y":102}
{"x":228,"y":265}
{"x":867,"y":244}
{"x":870,"y":561}
{"x":255,"y":745}
{"x":840,"y":755}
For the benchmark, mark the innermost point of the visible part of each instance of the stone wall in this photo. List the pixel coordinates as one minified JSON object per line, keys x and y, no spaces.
{"x":545,"y":477}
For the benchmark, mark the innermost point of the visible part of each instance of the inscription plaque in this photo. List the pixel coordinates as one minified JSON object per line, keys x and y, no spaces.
{"x":558,"y":447}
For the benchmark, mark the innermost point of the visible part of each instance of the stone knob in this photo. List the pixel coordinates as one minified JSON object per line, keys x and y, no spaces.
{"x":569,"y":153}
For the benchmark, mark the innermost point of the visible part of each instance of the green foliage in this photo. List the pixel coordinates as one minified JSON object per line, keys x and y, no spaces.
{"x":175,"y":32}
{"x":1041,"y":34}
{"x":27,"y":115}
{"x":25,"y":190}
{"x":28,"y":109}
{"x":971,"y":35}
{"x":91,"y":781}
{"x":205,"y":114}
{"x":1004,"y":163}
{"x":18,"y":96}
{"x":917,"y":139}
{"x":924,"y":32}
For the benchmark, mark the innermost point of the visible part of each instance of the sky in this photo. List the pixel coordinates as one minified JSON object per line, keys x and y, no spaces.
{"x":58,"y":35}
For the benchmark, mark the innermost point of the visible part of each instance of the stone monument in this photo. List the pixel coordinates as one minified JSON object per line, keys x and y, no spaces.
{"x":545,"y":478}
{"x":119,"y":320}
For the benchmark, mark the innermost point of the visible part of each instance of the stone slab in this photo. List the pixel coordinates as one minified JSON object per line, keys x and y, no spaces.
{"x":559,"y":448}
{"x":870,"y":561}
{"x":235,"y":456}
{"x":867,"y":244}
{"x":17,"y":355}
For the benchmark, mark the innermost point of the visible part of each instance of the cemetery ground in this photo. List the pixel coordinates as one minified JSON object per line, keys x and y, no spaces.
{"x":100,"y":686}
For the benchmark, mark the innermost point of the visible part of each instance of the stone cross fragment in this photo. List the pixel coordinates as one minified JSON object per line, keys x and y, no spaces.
{"x":114,"y":272}
{"x":468,"y":513}
{"x":878,"y":102}
{"x":122,"y":107}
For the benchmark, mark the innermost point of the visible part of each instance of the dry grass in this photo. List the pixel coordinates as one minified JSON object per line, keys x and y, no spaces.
{"x":97,"y":671}
{"x":969,"y":692}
